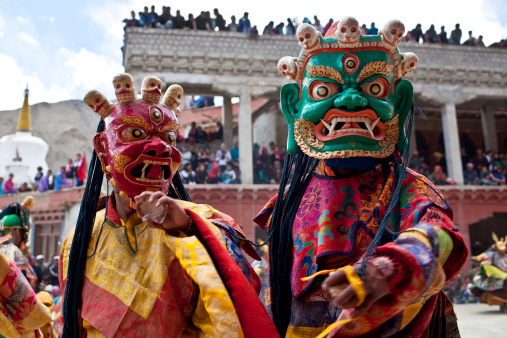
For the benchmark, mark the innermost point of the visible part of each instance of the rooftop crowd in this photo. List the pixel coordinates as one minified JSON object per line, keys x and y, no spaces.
{"x":205,"y":22}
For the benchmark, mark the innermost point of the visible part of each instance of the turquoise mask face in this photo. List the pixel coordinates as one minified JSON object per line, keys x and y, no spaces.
{"x":349,"y":102}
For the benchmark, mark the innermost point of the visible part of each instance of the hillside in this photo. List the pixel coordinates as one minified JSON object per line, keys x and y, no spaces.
{"x":68,"y":127}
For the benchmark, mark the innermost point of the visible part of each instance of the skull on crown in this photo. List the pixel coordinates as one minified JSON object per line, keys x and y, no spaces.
{"x":98,"y":102}
{"x":137,"y":147}
{"x":348,"y":32}
{"x":288,"y":67}
{"x":309,"y":37}
{"x":392,"y":33}
{"x":151,"y":89}
{"x":124,"y":87}
{"x":409,"y":63}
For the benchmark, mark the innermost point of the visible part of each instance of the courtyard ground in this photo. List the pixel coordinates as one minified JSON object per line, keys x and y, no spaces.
{"x":481,"y":321}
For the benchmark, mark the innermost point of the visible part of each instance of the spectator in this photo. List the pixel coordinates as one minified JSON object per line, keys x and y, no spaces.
{"x":186,"y":156}
{"x":38,"y":267}
{"x":234,"y":153}
{"x":443,"y":35}
{"x":24,"y":187}
{"x":497,"y":177}
{"x":178,"y":20}
{"x":276,"y":172}
{"x":44,"y":182}
{"x":56,"y":294}
{"x":470,"y":175}
{"x":233,"y":26}
{"x":268,"y":30}
{"x":229,"y":175}
{"x":203,"y":22}
{"x":144,"y":17}
{"x":415,"y":161}
{"x":417,"y":33}
{"x":60,"y":180}
{"x":210,"y":156}
{"x":372,"y":30}
{"x":80,"y":161}
{"x":152,"y":16}
{"x":187,"y":174}
{"x":219,"y":21}
{"x":165,"y":20}
{"x":132,"y":22}
{"x":193,"y":158}
{"x":464,"y":157}
{"x":470,"y":41}
{"x":485,"y":176}
{"x":455,"y":37}
{"x":317,"y":24}
{"x":223,"y":156}
{"x":38,"y":176}
{"x":244,"y":24}
{"x":202,"y":158}
{"x":279,"y":29}
{"x":437,"y":176}
{"x":1,"y":185}
{"x":306,"y":20}
{"x":501,"y":44}
{"x":192,"y":134}
{"x":364,"y":29}
{"x":328,"y":25}
{"x":479,"y":42}
{"x":53,"y":270}
{"x":290,"y":29}
{"x":219,"y":132}
{"x":431,"y":35}
{"x":214,"y":174}
{"x":200,"y":174}
{"x":190,"y":24}
{"x":9,"y":185}
{"x":70,"y":171}
{"x":253,"y":33}
{"x":202,"y":135}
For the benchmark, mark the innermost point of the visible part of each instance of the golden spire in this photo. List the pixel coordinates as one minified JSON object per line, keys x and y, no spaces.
{"x":24,"y":121}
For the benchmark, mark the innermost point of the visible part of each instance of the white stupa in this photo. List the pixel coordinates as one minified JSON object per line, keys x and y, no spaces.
{"x":22,"y":153}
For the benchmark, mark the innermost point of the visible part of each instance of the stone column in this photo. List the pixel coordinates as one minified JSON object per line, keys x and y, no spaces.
{"x":451,"y":141}
{"x":489,"y":129}
{"x":245,"y":136}
{"x":227,"y":121}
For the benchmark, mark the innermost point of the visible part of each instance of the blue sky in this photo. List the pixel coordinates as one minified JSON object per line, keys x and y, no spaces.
{"x":65,"y":48}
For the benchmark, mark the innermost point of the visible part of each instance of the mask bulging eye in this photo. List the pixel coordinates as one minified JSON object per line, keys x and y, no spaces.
{"x":350,"y":63}
{"x":378,"y":89}
{"x":168,"y":137}
{"x":132,"y":134}
{"x":320,"y":90}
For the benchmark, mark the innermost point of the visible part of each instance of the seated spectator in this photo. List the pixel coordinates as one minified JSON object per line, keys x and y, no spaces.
{"x":317,"y":25}
{"x":24,"y":187}
{"x":44,"y":181}
{"x":234,"y":153}
{"x":276,"y":172}
{"x":210,"y":156}
{"x":253,"y":33}
{"x":431,"y":35}
{"x":479,"y":42}
{"x":219,"y":21}
{"x":223,"y":156}
{"x":60,"y":180}
{"x":229,"y":175}
{"x":202,"y":135}
{"x":132,"y":22}
{"x":372,"y":30}
{"x":443,"y":35}
{"x":214,"y":174}
{"x":9,"y":185}
{"x":186,"y":156}
{"x":470,"y":41}
{"x":145,"y":18}
{"x":200,"y":174}
{"x":203,"y":22}
{"x":364,"y":29}
{"x":470,"y":175}
{"x":192,"y":134}
{"x":153,"y":16}
{"x":218,"y":134}
{"x":233,"y":26}
{"x":38,"y":175}
{"x":1,"y":185}
{"x":485,"y":176}
{"x":278,"y":30}
{"x":501,"y":44}
{"x":290,"y":29}
{"x":187,"y":174}
{"x":178,"y":20}
{"x":190,"y":24}
{"x":437,"y":176}
{"x":165,"y":20}
{"x":415,"y":161}
{"x":268,"y":30}
{"x":455,"y":37}
{"x":70,"y":170}
{"x":275,"y":155}
{"x":328,"y":25}
{"x":417,"y":33}
{"x":497,"y":176}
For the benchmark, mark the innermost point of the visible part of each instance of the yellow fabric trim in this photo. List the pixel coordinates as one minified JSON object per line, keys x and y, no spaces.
{"x":333,"y":326}
{"x":493,"y":271}
{"x":6,"y":327}
{"x":419,"y":234}
{"x":4,"y":267}
{"x":304,"y":332}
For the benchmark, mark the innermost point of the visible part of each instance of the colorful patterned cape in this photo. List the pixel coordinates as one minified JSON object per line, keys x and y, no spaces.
{"x":141,"y":281}
{"x":9,"y":249}
{"x":335,"y":223}
{"x":20,"y":310}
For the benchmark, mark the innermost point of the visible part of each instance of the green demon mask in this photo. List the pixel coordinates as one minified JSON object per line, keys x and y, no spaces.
{"x":350,"y":99}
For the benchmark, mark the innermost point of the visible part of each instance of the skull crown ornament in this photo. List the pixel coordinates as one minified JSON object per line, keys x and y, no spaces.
{"x":137,"y":147}
{"x":350,"y":98}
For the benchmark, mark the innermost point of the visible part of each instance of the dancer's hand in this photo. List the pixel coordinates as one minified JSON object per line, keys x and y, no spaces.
{"x":375,"y":285}
{"x":175,"y":217}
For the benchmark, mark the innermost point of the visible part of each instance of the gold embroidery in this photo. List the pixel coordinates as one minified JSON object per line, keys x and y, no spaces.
{"x":377,"y":67}
{"x":120,"y":161}
{"x":322,"y":71}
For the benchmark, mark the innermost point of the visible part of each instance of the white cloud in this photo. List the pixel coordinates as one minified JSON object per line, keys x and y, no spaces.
{"x":49,"y":18}
{"x":22,"y":20}
{"x":27,"y":38}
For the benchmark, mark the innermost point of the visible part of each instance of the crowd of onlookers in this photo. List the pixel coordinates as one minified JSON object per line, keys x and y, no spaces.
{"x":47,"y":276}
{"x":206,"y":22}
{"x":70,"y":175}
{"x":481,"y":168}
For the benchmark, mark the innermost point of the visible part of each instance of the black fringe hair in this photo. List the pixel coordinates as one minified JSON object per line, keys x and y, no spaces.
{"x":82,"y":234}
